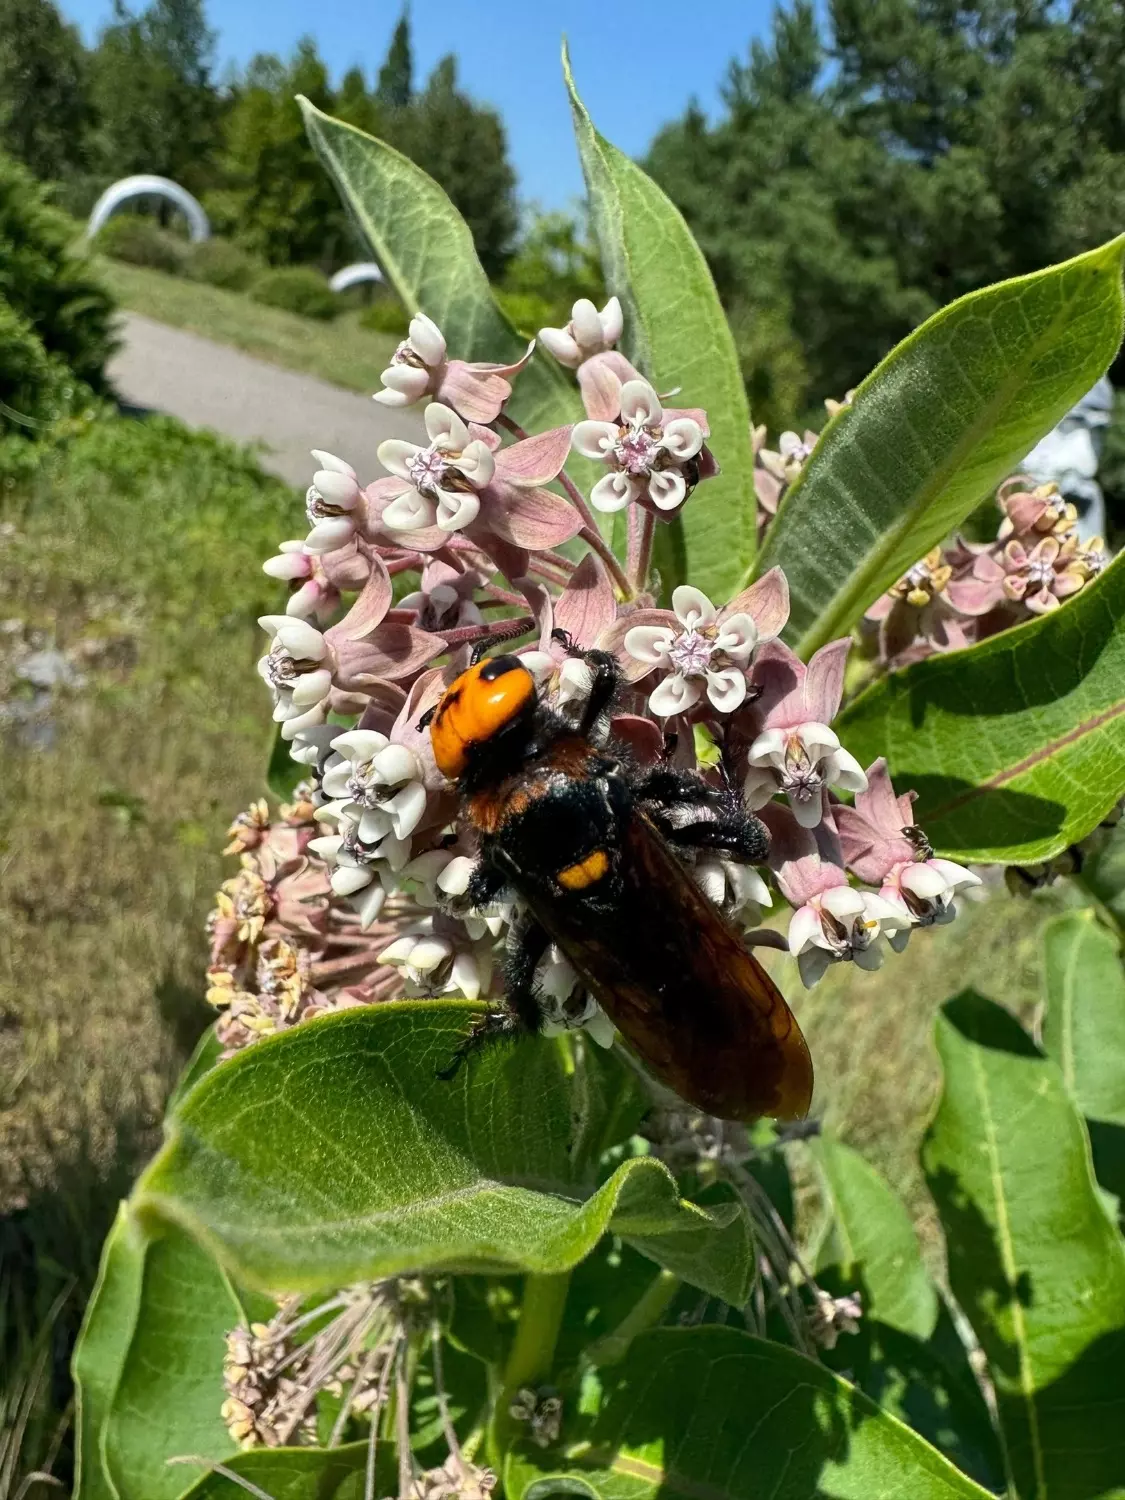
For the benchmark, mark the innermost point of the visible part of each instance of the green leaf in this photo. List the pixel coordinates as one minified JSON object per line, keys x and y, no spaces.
{"x":677,"y":334}
{"x":873,"y":1242}
{"x":207,"y":1052}
{"x":1084,"y":1031}
{"x":99,"y":1354}
{"x":292,"y":1474}
{"x":933,"y":429}
{"x":170,"y":1392}
{"x":1033,"y":1259}
{"x":1103,"y":870}
{"x":334,"y":1153}
{"x":1016,"y":747}
{"x":148,"y":1365}
{"x":712,"y":1413}
{"x":1084,"y":1019}
{"x":425,"y":250}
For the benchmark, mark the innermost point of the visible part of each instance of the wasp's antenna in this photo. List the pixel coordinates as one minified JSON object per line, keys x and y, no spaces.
{"x":482,"y":648}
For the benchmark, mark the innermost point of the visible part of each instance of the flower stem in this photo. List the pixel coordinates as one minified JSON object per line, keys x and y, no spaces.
{"x":641,"y":564}
{"x":643,"y":1315}
{"x":531,"y":1354}
{"x":594,"y":539}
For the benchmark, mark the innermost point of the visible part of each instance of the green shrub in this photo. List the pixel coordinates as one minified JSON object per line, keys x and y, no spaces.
{"x":530,"y":312}
{"x":140,"y":241}
{"x":44,"y":282}
{"x":40,"y":397}
{"x":297,"y":289}
{"x":386,"y":315}
{"x":220,"y":262}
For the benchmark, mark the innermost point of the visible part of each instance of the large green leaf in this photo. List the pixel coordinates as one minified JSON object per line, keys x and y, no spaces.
{"x":148,"y":1365}
{"x":1016,"y":747}
{"x":292,"y":1474}
{"x":99,"y":1354}
{"x":873,"y":1242}
{"x":425,"y":250}
{"x":1103,"y":870}
{"x":935,"y":427}
{"x":711,"y":1413}
{"x":1084,"y":1031}
{"x":1084,"y":1019}
{"x":676,"y":332}
{"x":1033,"y":1259}
{"x":334,"y":1152}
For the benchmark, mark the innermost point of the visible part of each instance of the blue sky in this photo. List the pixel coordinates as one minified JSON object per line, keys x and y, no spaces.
{"x":637,"y":65}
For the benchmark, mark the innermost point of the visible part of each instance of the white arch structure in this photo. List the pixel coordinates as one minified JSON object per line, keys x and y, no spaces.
{"x":349,"y":276}
{"x":144,"y":184}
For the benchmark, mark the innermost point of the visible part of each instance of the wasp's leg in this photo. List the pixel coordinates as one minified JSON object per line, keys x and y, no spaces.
{"x":605,"y":676}
{"x":671,"y":788}
{"x":740,"y":836}
{"x":520,"y":1015}
{"x":487,"y":884}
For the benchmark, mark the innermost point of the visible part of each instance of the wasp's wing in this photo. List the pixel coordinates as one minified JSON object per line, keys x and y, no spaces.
{"x":684,"y":991}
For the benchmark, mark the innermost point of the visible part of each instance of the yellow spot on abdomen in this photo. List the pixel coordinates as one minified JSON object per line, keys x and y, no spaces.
{"x":578,"y":877}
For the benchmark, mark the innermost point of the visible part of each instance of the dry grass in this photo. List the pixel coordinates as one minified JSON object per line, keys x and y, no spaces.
{"x":342,"y":351}
{"x":138,"y":555}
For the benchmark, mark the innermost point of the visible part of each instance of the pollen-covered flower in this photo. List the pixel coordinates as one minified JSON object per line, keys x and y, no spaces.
{"x":1032,"y":511}
{"x":647,"y":451}
{"x":589,"y":332}
{"x":789,"y":458}
{"x":249,"y":828}
{"x":298,"y":671}
{"x":1046,"y":575}
{"x":436,"y":956}
{"x":566,"y":1003}
{"x":832,"y":1316}
{"x":330,"y":503}
{"x":441,"y":481}
{"x":834,"y":922}
{"x":704,"y":650}
{"x":796,"y":753}
{"x":882,"y":846}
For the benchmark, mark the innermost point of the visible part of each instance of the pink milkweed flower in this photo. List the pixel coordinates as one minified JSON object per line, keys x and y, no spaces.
{"x":445,"y":600}
{"x":796,"y":752}
{"x":466,"y":481}
{"x":589,"y":332}
{"x":419,"y":368}
{"x":436,"y":956}
{"x":441,"y":480}
{"x":366,"y":646}
{"x":1032,"y":511}
{"x":929,"y":602}
{"x":875,"y":844}
{"x":330,"y":503}
{"x":702,"y":650}
{"x":834,"y":922}
{"x":789,"y":459}
{"x":313,"y":595}
{"x":646,"y":450}
{"x":1046,"y":575}
{"x":585,"y":610}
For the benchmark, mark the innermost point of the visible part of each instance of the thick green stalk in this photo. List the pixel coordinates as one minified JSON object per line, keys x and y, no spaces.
{"x":531,"y":1355}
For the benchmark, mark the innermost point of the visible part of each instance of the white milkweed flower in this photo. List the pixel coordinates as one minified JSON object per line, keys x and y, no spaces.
{"x":588,"y":332}
{"x":566,"y":1004}
{"x":330,"y":503}
{"x":441,"y":480}
{"x":414,"y":364}
{"x":645,"y":451}
{"x":297,"y":670}
{"x":838,"y":925}
{"x":708,"y":653}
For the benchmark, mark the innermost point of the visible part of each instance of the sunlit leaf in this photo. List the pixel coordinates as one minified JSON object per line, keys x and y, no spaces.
{"x":711,"y":1412}
{"x":677,"y":335}
{"x":1033,"y":1259}
{"x":933,"y":429}
{"x":1016,"y":747}
{"x":334,"y":1152}
{"x":425,"y":251}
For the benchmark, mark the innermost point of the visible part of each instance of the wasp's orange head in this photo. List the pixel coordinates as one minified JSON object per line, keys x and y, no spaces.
{"x":479,"y":704}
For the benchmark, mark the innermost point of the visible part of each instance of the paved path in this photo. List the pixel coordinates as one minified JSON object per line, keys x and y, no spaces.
{"x":211,"y":385}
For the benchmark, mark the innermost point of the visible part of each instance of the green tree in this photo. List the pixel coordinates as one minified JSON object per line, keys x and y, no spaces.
{"x":44,"y":110}
{"x":152,"y":88}
{"x":907,"y":151}
{"x":462,"y":145}
{"x":394,"y":87}
{"x":277,"y":200}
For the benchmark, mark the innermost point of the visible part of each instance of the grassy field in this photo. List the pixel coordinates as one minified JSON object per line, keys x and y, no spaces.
{"x":341,"y":352}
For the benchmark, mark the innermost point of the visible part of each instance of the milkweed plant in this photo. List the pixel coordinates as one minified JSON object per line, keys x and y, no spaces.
{"x":344,"y":1275}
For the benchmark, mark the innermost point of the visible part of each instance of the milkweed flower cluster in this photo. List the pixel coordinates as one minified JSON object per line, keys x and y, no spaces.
{"x":355,"y":891}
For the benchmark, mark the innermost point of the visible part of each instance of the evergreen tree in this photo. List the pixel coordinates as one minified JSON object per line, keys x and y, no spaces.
{"x":463,"y":147}
{"x":278,"y":201}
{"x":394,"y":87}
{"x":152,"y":89}
{"x":44,"y":110}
